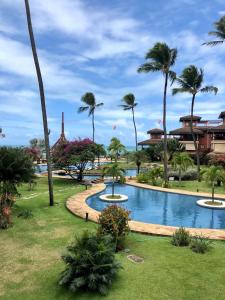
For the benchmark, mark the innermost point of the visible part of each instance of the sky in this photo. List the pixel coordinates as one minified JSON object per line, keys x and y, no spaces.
{"x":96,"y":46}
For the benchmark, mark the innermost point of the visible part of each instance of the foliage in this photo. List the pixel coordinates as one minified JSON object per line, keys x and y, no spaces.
{"x":200,"y":244}
{"x":138,"y":157}
{"x":33,"y":153}
{"x":152,"y":154}
{"x":143,"y":177}
{"x":25,"y":214}
{"x":219,"y":32}
{"x":151,"y":176}
{"x":181,"y":238}
{"x":216,"y":160}
{"x":115,"y":171}
{"x":173,"y":146}
{"x":15,"y":168}
{"x":212,"y":175}
{"x":99,"y":151}
{"x":113,"y":220}
{"x":116,"y":148}
{"x":77,"y":153}
{"x":181,"y":161}
{"x":190,"y":174}
{"x":90,"y":264}
{"x":130,"y":104}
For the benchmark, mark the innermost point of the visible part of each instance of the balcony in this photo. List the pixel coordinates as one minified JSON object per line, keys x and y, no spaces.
{"x":189,"y":145}
{"x":218,"y":146}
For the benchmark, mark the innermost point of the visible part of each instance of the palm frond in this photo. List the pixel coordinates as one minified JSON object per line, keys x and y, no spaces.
{"x":172,"y":76}
{"x":173,"y":56}
{"x":88,"y":99}
{"x":91,"y":110}
{"x":176,"y":91}
{"x":209,"y":89}
{"x":125,"y":107}
{"x":129,"y":99}
{"x":213,"y":43}
{"x":82,"y":109}
{"x":150,"y":67}
{"x":99,"y":104}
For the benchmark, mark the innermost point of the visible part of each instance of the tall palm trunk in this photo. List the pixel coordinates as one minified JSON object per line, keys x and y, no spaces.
{"x":135,"y":130}
{"x":113,"y":186}
{"x":194,"y":138}
{"x":43,"y":106}
{"x":93,"y":127}
{"x":165,"y":159}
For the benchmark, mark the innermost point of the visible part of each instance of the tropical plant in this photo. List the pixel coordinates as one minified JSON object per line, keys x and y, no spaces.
{"x":181,"y":161}
{"x":90,"y":104}
{"x":154,"y":174}
{"x":15,"y":168}
{"x":115,"y":171}
{"x":181,"y":238}
{"x":130,"y":104}
{"x":90,"y":264}
{"x":43,"y":106}
{"x":113,"y":220}
{"x":200,"y":244}
{"x":191,"y":81}
{"x":173,"y":145}
{"x":139,"y":157}
{"x":212,"y":175}
{"x":162,"y":58}
{"x":99,"y":151}
{"x":116,"y":148}
{"x":219,"y":33}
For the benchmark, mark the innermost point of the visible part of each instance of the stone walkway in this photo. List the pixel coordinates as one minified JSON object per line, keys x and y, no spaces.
{"x":78,"y":206}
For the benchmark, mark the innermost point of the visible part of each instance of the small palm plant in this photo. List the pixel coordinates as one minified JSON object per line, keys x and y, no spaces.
{"x":212,"y":175}
{"x":90,"y":104}
{"x":181,"y":161}
{"x":162,"y":58}
{"x":115,"y":171}
{"x":130,"y":104}
{"x":219,"y":33}
{"x":191,"y":81}
{"x":139,"y":157}
{"x":116,"y":147}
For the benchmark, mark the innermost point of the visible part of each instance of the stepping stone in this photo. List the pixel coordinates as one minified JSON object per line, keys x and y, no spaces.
{"x":135,"y":258}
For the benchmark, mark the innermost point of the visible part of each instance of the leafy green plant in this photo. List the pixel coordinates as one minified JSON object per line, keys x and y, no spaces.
{"x":90,"y":264}
{"x":114,"y":221}
{"x":181,"y":238}
{"x":200,"y":244}
{"x":25,"y":214}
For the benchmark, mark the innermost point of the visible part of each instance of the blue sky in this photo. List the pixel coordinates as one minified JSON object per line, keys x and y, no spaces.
{"x":96,"y":46}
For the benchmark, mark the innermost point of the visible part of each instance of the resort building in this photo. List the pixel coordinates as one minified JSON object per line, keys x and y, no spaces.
{"x":210,"y":134}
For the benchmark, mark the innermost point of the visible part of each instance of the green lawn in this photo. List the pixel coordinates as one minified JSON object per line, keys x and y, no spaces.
{"x":30,"y":257}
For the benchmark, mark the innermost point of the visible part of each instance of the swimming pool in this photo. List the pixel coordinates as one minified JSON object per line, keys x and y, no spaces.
{"x":163,"y":208}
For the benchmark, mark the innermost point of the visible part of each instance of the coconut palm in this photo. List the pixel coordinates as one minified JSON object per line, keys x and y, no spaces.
{"x":90,"y":104}
{"x":162,"y":58}
{"x":139,"y":157}
{"x":191,"y":81}
{"x":115,"y":171}
{"x":130,"y":104}
{"x":219,"y":33}
{"x":43,"y":106}
{"x":181,"y":161}
{"x":116,"y":147}
{"x":212,"y":175}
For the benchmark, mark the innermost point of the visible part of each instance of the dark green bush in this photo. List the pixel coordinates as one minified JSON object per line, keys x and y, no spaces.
{"x":114,"y":221}
{"x":181,"y":238}
{"x":25,"y":214}
{"x":90,"y":264}
{"x":200,"y":244}
{"x":188,"y":175}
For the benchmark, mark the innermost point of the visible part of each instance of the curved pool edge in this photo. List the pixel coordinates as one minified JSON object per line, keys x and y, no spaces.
{"x":77,"y":205}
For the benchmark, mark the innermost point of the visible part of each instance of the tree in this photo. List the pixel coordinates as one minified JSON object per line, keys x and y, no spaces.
{"x":130,"y":104}
{"x":219,"y":33}
{"x":139,"y":157}
{"x":173,"y":145}
{"x":115,"y":171}
{"x":42,"y":97}
{"x":99,"y":151}
{"x":74,"y":155}
{"x":116,"y":148}
{"x":33,"y":153}
{"x":38,"y":144}
{"x":90,"y":104}
{"x":15,"y":168}
{"x":191,"y":81}
{"x":162,"y":58}
{"x":181,"y":161}
{"x":212,"y":175}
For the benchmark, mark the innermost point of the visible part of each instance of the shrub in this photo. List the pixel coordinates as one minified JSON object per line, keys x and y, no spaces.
{"x":143,"y":177}
{"x":114,"y":221}
{"x":25,"y":214}
{"x":181,"y":238}
{"x":90,"y":264}
{"x":200,"y":244}
{"x":190,"y":174}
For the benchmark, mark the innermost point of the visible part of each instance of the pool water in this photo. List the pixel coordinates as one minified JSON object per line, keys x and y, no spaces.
{"x":163,"y":208}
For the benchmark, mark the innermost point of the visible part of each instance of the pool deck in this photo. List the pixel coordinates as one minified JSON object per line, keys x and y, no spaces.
{"x":78,"y":206}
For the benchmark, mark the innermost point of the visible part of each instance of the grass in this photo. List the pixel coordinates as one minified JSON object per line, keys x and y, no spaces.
{"x":215,"y":203}
{"x":113,"y":197}
{"x":30,"y":257}
{"x":194,"y":186}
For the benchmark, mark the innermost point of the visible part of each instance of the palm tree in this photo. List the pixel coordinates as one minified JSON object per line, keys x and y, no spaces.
{"x":181,"y":161}
{"x":139,"y":157}
{"x":212,"y":175}
{"x":191,"y":81}
{"x":43,"y":106}
{"x":99,"y":151}
{"x":130,"y":104}
{"x":116,"y":147}
{"x":219,"y":33}
{"x":91,"y":105}
{"x":115,"y":171}
{"x":162,"y":58}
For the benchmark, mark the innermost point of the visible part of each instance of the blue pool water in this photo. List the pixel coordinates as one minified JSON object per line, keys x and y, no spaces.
{"x":163,"y":208}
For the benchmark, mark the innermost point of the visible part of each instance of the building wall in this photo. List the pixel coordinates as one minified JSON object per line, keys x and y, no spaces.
{"x":205,"y":141}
